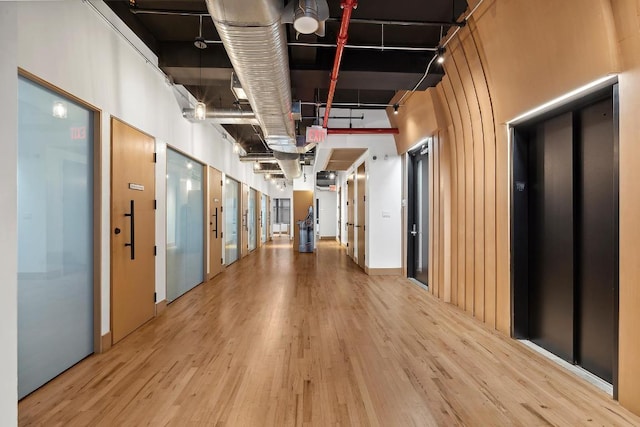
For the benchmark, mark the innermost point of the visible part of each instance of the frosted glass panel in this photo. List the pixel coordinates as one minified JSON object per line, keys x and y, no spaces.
{"x":263,"y":218}
{"x":185,"y":224}
{"x":55,"y":235}
{"x":231,"y":189}
{"x":252,"y":220}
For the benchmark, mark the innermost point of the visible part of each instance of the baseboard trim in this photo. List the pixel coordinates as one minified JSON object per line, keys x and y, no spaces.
{"x":161,"y":306}
{"x":105,"y":342}
{"x":327,"y":237}
{"x":383,"y":271}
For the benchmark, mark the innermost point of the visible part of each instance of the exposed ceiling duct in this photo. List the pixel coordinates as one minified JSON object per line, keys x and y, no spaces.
{"x":223,"y":117}
{"x":256,"y":44}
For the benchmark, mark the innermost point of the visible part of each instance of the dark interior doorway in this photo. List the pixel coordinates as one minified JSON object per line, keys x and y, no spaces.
{"x":418,"y":215}
{"x":565,"y":233}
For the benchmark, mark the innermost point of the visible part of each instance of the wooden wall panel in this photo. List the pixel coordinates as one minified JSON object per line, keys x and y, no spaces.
{"x":472,"y":55}
{"x":627,"y":23}
{"x":445,"y":173}
{"x":460,"y":61}
{"x":455,"y":132}
{"x":464,"y":110}
{"x":511,"y":57}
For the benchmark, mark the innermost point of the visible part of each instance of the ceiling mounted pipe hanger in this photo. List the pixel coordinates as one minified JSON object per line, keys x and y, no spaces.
{"x":347,"y":7}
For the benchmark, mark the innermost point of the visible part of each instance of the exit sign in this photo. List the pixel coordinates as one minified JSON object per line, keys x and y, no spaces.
{"x":316,"y":134}
{"x":79,"y":133}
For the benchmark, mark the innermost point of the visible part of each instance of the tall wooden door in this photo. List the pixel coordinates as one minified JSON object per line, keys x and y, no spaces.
{"x":244,"y":230}
{"x":215,"y":222}
{"x":133,"y":229}
{"x":360,"y":207}
{"x":268,"y":213}
{"x":351,"y":190}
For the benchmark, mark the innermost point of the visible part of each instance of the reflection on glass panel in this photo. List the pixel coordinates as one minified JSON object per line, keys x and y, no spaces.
{"x":252,"y":220}
{"x":231,"y":189}
{"x":281,"y":216}
{"x":55,"y":235}
{"x":263,"y":218}
{"x":185,"y":224}
{"x":422,"y":261}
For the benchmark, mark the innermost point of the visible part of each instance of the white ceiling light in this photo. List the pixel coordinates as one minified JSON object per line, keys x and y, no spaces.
{"x":200,"y":111}
{"x":441,"y":52}
{"x":59,"y":110}
{"x":332,"y":175}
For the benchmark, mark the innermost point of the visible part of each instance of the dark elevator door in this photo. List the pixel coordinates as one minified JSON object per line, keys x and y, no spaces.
{"x":551,"y":293}
{"x":565,"y":234}
{"x":597,"y":241}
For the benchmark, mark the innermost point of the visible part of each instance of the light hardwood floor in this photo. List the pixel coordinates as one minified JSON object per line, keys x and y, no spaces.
{"x":282,"y":339}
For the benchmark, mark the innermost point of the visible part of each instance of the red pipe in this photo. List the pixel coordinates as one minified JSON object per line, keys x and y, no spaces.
{"x":347,"y":7}
{"x":362,"y":131}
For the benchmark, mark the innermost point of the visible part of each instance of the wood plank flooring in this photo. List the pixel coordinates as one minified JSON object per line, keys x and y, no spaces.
{"x":284,"y":339}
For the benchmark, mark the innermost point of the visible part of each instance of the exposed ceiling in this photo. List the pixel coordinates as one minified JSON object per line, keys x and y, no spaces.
{"x":367,"y":76}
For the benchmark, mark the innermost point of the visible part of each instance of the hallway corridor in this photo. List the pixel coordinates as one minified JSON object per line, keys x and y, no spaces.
{"x":282,"y":338}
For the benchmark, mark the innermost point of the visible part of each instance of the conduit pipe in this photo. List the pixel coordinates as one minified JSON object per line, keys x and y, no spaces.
{"x":347,"y":7}
{"x":362,"y":131}
{"x":256,"y":44}
{"x":223,"y":116}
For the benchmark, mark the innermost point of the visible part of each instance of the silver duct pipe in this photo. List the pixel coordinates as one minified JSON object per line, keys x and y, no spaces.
{"x":256,"y":43}
{"x":289,"y":163}
{"x":223,"y":117}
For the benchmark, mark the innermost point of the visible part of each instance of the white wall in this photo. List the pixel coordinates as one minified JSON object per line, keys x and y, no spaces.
{"x":328,"y":213}
{"x":99,"y":66}
{"x":383,"y":217}
{"x":8,"y":216}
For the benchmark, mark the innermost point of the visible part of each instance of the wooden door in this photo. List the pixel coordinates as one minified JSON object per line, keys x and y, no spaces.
{"x":244,"y":229}
{"x":268,"y":213}
{"x":350,"y":211}
{"x":216,"y":220}
{"x":360,"y":207}
{"x":132,"y":229}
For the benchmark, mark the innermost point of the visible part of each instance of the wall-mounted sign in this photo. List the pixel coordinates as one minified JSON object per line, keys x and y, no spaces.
{"x":137,"y":187}
{"x":316,"y":134}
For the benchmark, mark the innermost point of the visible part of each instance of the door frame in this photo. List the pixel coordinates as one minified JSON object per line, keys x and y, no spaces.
{"x":100,"y":343}
{"x":518,"y":232}
{"x":207,"y":210}
{"x":360,"y":207}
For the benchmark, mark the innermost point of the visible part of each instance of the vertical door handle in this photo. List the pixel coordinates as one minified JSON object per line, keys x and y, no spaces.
{"x":216,"y":216}
{"x":132,"y":234}
{"x":414,"y":232}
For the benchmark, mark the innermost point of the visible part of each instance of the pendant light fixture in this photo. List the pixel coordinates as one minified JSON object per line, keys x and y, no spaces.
{"x":200,"y":112}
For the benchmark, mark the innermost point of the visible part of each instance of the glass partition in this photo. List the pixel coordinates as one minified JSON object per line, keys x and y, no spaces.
{"x":55,"y":235}
{"x":263,"y":218}
{"x":231,"y":192}
{"x":252,"y":220}
{"x":185,"y":224}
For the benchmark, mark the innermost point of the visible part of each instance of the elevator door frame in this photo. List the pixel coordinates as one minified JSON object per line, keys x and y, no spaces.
{"x":519,"y":231}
